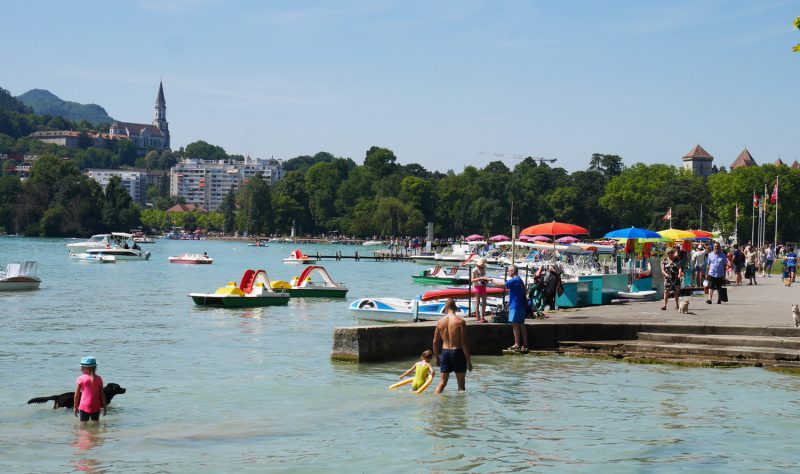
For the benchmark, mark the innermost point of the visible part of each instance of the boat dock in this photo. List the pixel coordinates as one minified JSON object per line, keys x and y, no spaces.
{"x":377,"y":256}
{"x":755,"y":328}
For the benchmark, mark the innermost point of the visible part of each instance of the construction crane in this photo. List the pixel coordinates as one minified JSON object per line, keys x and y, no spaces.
{"x":521,"y":157}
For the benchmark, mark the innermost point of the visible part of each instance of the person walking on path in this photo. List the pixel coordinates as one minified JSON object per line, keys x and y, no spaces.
{"x":479,"y":279}
{"x":673,"y":274}
{"x":451,"y":335}
{"x":791,"y":263}
{"x":89,"y":394}
{"x":769,"y":259}
{"x":751,"y":260}
{"x":698,"y":264}
{"x":716,"y":272}
{"x":738,"y":262}
{"x":517,"y":307}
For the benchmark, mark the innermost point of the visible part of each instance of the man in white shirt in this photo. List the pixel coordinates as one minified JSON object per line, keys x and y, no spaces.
{"x":698,"y":265}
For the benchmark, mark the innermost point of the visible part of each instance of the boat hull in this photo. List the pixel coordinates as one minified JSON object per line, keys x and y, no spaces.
{"x":19,"y":284}
{"x":392,"y":310}
{"x":234,"y":301}
{"x":440,"y":281}
{"x":317,"y":292}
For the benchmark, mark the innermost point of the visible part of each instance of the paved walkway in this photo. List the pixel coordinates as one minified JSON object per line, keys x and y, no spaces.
{"x":767,"y":304}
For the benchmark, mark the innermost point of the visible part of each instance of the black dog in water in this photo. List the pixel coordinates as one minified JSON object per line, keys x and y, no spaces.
{"x":67,"y":400}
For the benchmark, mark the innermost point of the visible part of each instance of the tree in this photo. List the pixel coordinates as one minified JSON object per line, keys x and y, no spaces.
{"x":796,"y":23}
{"x":608,"y":165}
{"x":205,"y":151}
{"x":256,"y":206}
{"x":321,"y":182}
{"x":380,"y":161}
{"x":228,"y":210}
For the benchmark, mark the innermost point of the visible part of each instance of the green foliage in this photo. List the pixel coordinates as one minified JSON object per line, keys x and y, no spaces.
{"x":796,"y":24}
{"x":10,"y":103}
{"x":205,"y":151}
{"x":46,"y":103}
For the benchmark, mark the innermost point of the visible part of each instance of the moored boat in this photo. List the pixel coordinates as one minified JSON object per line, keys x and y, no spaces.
{"x":253,"y":291}
{"x":304,"y":286}
{"x":92,"y":258}
{"x":299,"y":257}
{"x":97,"y":241}
{"x":19,"y":277}
{"x":192,"y":259}
{"x":459,"y":293}
{"x":393,"y":310}
{"x":455,"y":275}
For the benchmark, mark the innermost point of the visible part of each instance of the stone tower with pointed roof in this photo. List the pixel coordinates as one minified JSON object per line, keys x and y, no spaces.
{"x":698,"y":161}
{"x":745,"y":159}
{"x":160,"y":119}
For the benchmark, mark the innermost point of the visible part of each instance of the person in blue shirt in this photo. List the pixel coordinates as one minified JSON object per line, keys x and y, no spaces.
{"x":716,"y":271}
{"x":791,"y":263}
{"x":517,"y":307}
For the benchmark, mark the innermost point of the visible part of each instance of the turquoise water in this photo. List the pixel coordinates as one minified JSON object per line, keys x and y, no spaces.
{"x":213,"y":390}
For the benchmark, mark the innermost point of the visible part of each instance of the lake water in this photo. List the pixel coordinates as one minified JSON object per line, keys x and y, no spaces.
{"x":213,"y":390}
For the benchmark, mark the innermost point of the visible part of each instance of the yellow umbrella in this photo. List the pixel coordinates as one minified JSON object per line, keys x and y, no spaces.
{"x":676,"y":234}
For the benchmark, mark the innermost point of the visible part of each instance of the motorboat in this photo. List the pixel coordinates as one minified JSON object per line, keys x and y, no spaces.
{"x":455,"y":275}
{"x":373,"y":243}
{"x":394,"y":310}
{"x":299,"y":257}
{"x":192,"y":259}
{"x":19,"y":277}
{"x":92,"y":258}
{"x":144,"y":240}
{"x":97,"y":241}
{"x":253,"y":291}
{"x":303,"y":286}
{"x":259,"y":243}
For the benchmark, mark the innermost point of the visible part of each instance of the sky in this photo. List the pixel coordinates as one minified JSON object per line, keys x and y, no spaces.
{"x":445,"y":84}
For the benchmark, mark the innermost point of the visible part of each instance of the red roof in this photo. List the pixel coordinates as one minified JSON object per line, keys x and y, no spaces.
{"x":795,"y":165}
{"x":698,"y":152}
{"x":137,"y":128}
{"x":744,"y":159}
{"x":185,"y":208}
{"x":779,"y":162}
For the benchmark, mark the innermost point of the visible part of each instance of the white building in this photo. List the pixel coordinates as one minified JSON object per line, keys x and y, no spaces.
{"x":135,"y":182}
{"x":205,"y":183}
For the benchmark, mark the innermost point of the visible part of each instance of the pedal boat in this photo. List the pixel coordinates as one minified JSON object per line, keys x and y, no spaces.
{"x":304,"y":287}
{"x":253,"y":291}
{"x":396,"y":310}
{"x":455,"y":275}
{"x":92,"y":258}
{"x":298,"y":257}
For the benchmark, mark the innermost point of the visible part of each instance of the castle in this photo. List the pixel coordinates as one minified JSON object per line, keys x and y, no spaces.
{"x":146,"y":137}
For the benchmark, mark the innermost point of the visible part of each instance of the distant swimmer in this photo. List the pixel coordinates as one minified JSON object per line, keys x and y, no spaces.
{"x":454,"y":357}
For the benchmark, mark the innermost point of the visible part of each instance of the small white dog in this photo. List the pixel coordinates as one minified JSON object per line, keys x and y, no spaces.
{"x":684,"y":306}
{"x":796,"y":315}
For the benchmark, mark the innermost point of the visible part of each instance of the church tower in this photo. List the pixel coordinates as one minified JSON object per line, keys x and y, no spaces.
{"x":160,"y":119}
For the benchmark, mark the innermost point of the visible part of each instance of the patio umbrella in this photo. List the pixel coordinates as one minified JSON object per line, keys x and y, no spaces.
{"x":474,"y":237}
{"x":701,"y":234}
{"x":535,"y":238}
{"x":566,"y":240}
{"x":499,"y":238}
{"x":554,"y":228}
{"x":676,"y":234}
{"x":633,"y":233}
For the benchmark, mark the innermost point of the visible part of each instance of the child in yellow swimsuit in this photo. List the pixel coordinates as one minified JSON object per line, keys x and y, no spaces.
{"x":421,"y":370}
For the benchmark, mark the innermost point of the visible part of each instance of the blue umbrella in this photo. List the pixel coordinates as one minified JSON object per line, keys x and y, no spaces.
{"x":633,"y":233}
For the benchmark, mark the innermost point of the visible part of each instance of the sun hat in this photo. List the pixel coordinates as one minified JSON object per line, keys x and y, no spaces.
{"x":481,"y":262}
{"x":88,"y":361}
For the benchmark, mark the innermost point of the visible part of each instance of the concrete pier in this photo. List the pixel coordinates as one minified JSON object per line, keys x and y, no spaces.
{"x":754,"y":328}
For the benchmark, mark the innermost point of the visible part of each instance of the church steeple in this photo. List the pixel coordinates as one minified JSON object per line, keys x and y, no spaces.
{"x":160,"y":119}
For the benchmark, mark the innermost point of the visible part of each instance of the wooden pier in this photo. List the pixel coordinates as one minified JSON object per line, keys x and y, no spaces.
{"x":377,"y":256}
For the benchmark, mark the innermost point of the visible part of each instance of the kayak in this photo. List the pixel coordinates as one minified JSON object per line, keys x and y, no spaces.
{"x":459,"y":293}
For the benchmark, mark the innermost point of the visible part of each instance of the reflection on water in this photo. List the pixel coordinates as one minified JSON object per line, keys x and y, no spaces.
{"x":87,"y":437}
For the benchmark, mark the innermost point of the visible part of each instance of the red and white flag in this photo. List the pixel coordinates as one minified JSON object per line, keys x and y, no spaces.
{"x":774,"y":198}
{"x":755,"y":200}
{"x":668,"y":215}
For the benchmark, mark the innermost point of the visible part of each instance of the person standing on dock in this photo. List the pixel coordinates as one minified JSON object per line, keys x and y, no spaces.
{"x":716,"y":272}
{"x":451,"y":334}
{"x":751,"y":260}
{"x":479,"y":278}
{"x":673,"y":275}
{"x":517,"y":307}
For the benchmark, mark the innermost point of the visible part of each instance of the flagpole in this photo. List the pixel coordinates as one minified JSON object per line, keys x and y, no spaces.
{"x":764,"y":231}
{"x":736,"y":222}
{"x":776,"y":211}
{"x":701,"y":217}
{"x":753,"y":224}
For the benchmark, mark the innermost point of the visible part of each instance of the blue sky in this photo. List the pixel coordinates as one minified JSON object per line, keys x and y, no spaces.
{"x":437,"y":82}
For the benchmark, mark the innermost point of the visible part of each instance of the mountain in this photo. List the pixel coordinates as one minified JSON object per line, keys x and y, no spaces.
{"x":44,"y":102}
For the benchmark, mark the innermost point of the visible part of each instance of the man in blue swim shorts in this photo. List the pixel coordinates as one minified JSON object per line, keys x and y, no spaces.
{"x":451,"y":335}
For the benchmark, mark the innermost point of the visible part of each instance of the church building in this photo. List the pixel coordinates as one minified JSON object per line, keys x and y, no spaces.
{"x":147,"y":137}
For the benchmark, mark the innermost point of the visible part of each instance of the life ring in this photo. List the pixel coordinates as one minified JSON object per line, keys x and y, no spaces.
{"x":401,"y":383}
{"x":425,"y":385}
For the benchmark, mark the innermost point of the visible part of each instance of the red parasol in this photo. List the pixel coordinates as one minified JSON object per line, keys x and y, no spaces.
{"x":554,"y":228}
{"x":474,"y":237}
{"x":701,"y":234}
{"x":499,"y":238}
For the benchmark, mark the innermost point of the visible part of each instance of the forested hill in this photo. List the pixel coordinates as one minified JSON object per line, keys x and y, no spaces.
{"x":11,"y":104}
{"x":44,"y":102}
